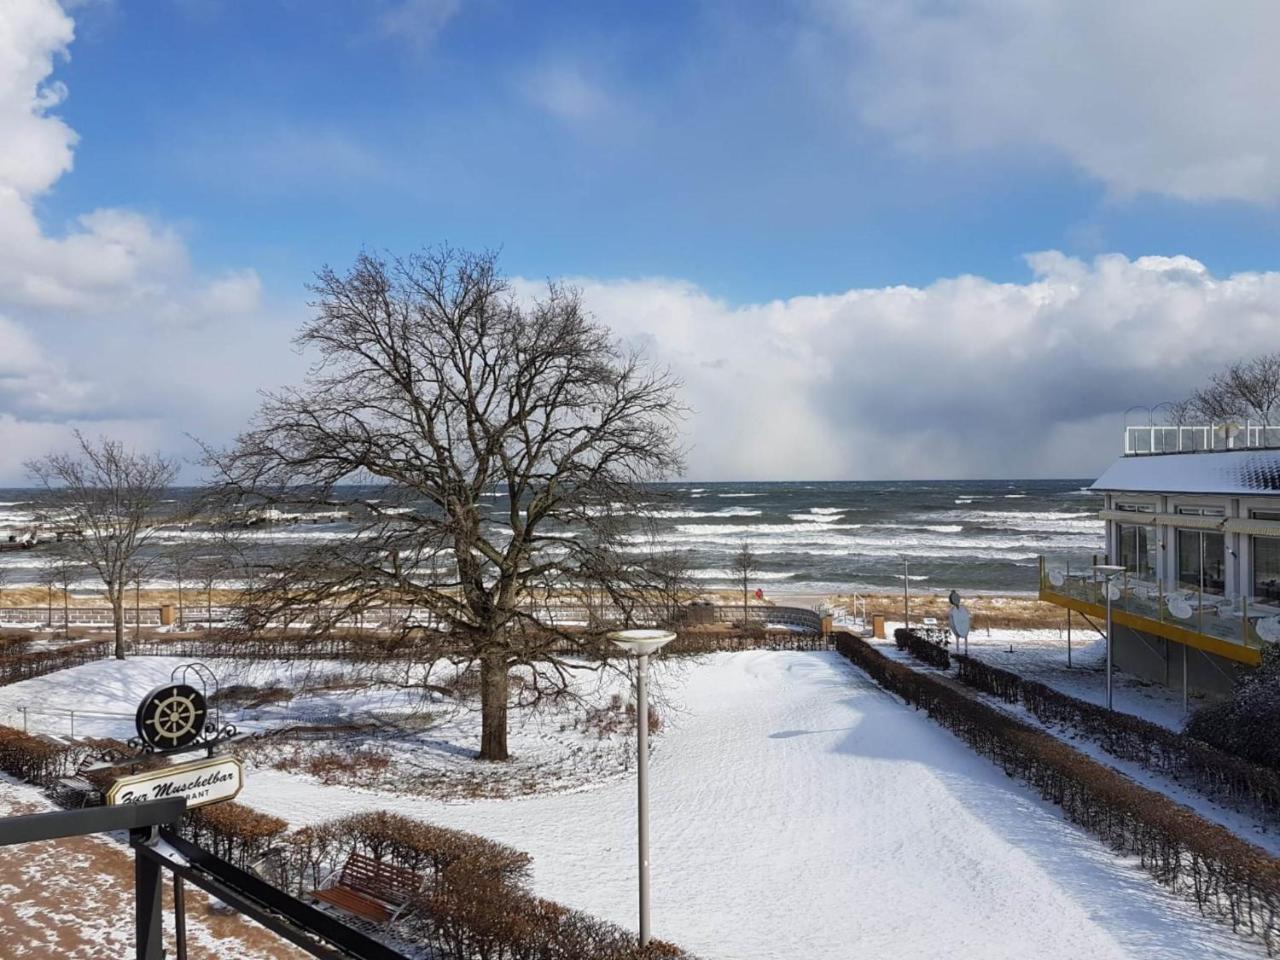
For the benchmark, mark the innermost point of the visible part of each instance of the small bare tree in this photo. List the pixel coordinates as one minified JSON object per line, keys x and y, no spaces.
{"x":507,"y":444}
{"x":105,"y":499}
{"x":1247,"y":390}
{"x":744,"y":566}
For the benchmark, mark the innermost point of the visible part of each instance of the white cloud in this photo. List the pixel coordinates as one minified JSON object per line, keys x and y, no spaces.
{"x":564,"y":90}
{"x":417,"y":22}
{"x":962,"y":378}
{"x":98,"y":291}
{"x":1166,"y":96}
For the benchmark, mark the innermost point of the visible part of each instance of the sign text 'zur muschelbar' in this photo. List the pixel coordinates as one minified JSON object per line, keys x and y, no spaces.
{"x":201,"y":782}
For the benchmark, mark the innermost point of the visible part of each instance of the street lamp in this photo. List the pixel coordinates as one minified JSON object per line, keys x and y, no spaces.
{"x":1108,"y":571}
{"x":639,"y":644}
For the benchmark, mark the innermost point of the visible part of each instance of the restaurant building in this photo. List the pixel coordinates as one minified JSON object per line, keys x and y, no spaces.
{"x":1192,"y":515}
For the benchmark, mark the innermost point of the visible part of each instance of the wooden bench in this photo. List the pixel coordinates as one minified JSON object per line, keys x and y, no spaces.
{"x":370,"y":888}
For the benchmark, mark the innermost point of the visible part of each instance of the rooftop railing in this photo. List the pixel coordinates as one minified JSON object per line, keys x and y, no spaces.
{"x":1199,"y":438}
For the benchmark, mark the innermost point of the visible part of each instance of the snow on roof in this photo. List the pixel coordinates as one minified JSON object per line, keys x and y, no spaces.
{"x":1234,"y":473}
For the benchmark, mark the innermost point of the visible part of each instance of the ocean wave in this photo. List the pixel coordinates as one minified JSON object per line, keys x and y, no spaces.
{"x":757,"y":529}
{"x":737,"y":494}
{"x":927,"y":527}
{"x":694,"y":514}
{"x":828,"y":509}
{"x":713,"y":573}
{"x":816,"y":517}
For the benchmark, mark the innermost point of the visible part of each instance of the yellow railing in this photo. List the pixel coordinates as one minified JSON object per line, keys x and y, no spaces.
{"x":1210,"y":623}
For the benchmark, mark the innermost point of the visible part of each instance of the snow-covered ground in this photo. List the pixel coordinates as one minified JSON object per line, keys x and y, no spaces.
{"x":801,"y":811}
{"x":428,"y":739}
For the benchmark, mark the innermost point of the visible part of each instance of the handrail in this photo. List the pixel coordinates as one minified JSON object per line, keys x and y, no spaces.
{"x":1199,"y":438}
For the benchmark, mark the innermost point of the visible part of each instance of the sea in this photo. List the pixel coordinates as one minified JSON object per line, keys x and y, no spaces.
{"x":975,"y":536}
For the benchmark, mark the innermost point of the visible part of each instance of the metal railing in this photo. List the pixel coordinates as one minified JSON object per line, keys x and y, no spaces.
{"x":1199,"y":438}
{"x":1232,"y":620}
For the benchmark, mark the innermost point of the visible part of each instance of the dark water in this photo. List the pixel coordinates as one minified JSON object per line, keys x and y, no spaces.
{"x":817,"y":537}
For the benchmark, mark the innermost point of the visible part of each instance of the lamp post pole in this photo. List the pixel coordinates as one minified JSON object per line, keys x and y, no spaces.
{"x":642,"y":788}
{"x":640,"y":644}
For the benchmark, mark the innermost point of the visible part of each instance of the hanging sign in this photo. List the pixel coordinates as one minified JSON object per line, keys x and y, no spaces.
{"x":201,"y":782}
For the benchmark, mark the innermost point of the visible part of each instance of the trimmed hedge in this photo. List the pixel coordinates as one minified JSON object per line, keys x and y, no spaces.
{"x":1228,"y":878}
{"x":1210,"y":771}
{"x":33,"y":758}
{"x":15,"y":666}
{"x":926,"y":651}
{"x":232,"y":831}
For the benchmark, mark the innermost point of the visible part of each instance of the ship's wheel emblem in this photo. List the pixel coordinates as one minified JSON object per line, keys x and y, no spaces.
{"x":172,"y":716}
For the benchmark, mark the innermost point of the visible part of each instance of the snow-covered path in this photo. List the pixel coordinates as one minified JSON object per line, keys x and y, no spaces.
{"x":800,"y":811}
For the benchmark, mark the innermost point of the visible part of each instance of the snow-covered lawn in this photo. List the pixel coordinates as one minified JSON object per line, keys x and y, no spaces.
{"x":800,"y":811}
{"x":425,"y":741}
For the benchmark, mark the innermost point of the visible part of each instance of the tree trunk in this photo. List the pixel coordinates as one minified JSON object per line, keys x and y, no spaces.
{"x":494,"y":685}
{"x":117,"y":616}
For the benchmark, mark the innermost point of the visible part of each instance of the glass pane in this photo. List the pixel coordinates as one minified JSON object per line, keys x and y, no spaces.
{"x":1189,"y":559}
{"x":1137,"y":550}
{"x":1266,"y":568}
{"x":1215,"y":563}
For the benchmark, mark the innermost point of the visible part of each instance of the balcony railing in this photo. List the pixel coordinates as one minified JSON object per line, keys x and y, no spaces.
{"x":1229,"y":620}
{"x":1199,"y":438}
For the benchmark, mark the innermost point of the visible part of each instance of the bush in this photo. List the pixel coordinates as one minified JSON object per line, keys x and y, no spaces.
{"x":1247,"y":723}
{"x":15,"y":666}
{"x":248,"y":695}
{"x":924,"y":650}
{"x":232,"y":831}
{"x":33,"y":758}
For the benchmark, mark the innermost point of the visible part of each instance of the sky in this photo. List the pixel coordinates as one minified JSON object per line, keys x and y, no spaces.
{"x":875,"y":238}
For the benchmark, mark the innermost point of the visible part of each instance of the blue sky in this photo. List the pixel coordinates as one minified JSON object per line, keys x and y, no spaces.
{"x":824,"y":196}
{"x":709,"y":142}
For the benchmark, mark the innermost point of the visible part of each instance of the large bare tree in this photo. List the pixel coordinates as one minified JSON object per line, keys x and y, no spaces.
{"x":505,"y":447}
{"x":105,"y":498}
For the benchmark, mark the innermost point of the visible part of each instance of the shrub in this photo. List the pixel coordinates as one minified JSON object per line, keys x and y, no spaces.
{"x":233,"y":831}
{"x":1246,"y":723}
{"x":33,"y":758}
{"x":333,"y":766}
{"x":248,"y":695}
{"x":924,"y":650}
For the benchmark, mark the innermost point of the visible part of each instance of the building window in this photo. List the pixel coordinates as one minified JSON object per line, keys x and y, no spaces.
{"x":1266,"y":568}
{"x":1137,"y":549}
{"x":1192,"y":545}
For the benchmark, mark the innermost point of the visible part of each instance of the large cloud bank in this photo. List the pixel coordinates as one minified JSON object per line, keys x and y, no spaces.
{"x":962,"y":378}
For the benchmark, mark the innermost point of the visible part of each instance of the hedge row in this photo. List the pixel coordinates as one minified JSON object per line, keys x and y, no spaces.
{"x":380,"y":647}
{"x":44,"y":760}
{"x":24,"y":666}
{"x":924,"y":650}
{"x":1227,"y":878}
{"x":473,"y":904}
{"x":1208,"y":770}
{"x":470,"y":916}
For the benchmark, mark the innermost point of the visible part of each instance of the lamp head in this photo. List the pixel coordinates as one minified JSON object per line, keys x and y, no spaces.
{"x":640,"y":643}
{"x":1107,"y":570}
